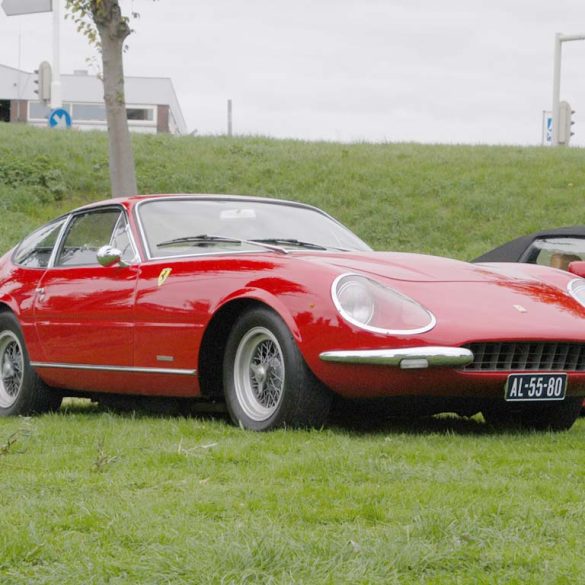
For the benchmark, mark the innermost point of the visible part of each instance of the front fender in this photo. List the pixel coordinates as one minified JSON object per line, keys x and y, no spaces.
{"x":266,"y":298}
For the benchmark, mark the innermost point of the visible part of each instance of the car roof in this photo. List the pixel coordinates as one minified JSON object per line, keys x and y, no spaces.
{"x":133,"y":200}
{"x":513,"y":250}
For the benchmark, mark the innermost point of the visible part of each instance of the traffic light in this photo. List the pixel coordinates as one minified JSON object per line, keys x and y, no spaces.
{"x":43,"y":81}
{"x":565,"y":123}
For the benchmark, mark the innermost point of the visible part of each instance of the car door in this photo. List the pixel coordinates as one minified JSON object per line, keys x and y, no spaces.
{"x":84,"y":311}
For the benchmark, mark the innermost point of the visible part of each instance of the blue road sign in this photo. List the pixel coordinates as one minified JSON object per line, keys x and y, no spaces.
{"x":59,"y":118}
{"x":549,"y":128}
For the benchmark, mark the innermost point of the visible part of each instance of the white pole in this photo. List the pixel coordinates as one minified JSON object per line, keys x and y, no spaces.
{"x":56,"y":100}
{"x":559,"y":39}
{"x":556,"y":90}
{"x":229,"y":116}
{"x":19,"y":87}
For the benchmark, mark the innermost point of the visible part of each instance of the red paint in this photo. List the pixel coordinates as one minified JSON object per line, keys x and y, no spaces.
{"x":124,"y":317}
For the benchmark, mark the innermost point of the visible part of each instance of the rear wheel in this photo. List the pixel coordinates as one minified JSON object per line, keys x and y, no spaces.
{"x":22,"y":392}
{"x":559,"y":416}
{"x":266,"y":381}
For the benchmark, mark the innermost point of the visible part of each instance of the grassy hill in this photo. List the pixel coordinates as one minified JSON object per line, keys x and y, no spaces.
{"x":446,"y":200}
{"x":94,"y":497}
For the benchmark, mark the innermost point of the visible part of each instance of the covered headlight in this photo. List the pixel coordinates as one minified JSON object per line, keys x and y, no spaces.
{"x":576,"y":289}
{"x":368,"y":304}
{"x":355,"y":300}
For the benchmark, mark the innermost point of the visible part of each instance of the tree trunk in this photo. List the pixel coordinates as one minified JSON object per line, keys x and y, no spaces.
{"x":113,"y":30}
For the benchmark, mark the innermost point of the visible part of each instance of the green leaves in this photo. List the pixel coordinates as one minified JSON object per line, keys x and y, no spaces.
{"x":80,"y":12}
{"x":96,"y":17}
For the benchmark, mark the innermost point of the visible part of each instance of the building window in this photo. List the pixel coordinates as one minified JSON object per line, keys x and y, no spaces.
{"x":89,"y":112}
{"x":145,"y":114}
{"x":41,"y":111}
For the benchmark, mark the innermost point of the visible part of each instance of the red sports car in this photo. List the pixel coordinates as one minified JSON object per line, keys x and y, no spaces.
{"x":562,"y":248}
{"x":275,"y":307}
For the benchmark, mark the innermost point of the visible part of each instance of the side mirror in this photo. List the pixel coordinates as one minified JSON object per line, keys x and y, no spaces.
{"x":577,"y":268}
{"x":109,"y":256}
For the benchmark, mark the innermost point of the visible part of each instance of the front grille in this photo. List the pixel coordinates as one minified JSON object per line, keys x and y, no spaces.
{"x":537,"y":356}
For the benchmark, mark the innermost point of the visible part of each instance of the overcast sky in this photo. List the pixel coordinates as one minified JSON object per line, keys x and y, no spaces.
{"x":440,"y":71}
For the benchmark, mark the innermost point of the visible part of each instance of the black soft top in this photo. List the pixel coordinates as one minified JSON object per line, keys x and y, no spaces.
{"x":513,"y":251}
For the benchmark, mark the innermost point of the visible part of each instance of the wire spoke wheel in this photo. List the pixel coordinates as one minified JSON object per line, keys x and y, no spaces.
{"x":266,"y":382}
{"x":259,"y":374}
{"x":11,"y":368}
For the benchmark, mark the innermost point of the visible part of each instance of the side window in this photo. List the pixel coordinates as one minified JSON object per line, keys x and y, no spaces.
{"x":35,"y":250}
{"x":86,"y":233}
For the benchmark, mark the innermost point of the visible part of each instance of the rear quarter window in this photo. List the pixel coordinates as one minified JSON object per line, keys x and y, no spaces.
{"x":36,"y":249}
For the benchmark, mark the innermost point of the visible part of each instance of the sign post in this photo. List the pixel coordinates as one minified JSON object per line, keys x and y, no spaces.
{"x":20,"y":7}
{"x":547,"y":128}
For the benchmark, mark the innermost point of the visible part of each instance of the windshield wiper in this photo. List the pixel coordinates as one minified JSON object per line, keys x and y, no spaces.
{"x":200,"y":240}
{"x":298,"y":243}
{"x":205,"y":240}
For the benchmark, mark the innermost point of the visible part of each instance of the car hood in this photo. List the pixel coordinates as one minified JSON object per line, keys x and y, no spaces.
{"x":416,"y":267}
{"x":475,"y":302}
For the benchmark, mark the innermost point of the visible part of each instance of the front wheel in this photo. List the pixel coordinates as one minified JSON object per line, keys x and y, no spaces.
{"x":22,"y":392}
{"x":266,"y":381}
{"x":559,"y":416}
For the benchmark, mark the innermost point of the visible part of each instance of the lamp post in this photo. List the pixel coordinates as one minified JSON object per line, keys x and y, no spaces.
{"x":556,"y":101}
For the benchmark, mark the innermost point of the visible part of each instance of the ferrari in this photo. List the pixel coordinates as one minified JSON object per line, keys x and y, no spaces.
{"x":562,"y":248}
{"x":275,"y":309}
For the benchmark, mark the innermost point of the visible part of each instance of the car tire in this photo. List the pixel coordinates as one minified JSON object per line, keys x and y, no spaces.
{"x":22,"y":392}
{"x":550,"y":417}
{"x":267,"y":383}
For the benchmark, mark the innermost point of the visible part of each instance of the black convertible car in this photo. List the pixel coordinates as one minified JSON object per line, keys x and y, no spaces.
{"x":554,"y":247}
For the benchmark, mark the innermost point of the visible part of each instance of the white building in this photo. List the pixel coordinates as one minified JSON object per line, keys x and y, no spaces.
{"x":151,"y":102}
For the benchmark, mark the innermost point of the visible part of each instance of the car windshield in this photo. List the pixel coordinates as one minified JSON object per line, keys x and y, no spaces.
{"x":183,"y":226}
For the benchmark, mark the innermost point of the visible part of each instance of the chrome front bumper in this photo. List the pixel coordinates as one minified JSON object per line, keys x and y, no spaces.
{"x":406,"y":358}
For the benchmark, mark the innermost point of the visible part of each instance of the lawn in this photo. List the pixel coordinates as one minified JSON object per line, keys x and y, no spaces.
{"x":94,"y":497}
{"x":458,"y":201}
{"x":88,"y":496}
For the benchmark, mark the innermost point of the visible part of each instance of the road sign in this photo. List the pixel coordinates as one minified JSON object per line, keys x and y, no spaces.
{"x":547,"y":128}
{"x":16,"y":7}
{"x":59,"y":118}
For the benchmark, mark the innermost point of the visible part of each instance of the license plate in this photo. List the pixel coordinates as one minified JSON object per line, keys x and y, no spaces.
{"x":535,"y":387}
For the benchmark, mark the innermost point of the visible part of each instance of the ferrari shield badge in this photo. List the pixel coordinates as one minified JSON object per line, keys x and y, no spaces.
{"x":164,"y":274}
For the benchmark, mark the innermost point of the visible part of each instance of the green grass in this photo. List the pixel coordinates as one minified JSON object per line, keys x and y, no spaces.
{"x":91,"y":497}
{"x":449,"y":200}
